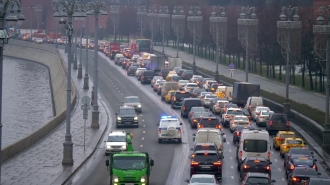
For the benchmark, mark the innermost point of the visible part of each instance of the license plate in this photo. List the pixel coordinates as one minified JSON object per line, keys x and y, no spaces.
{"x":303,"y":181}
{"x":164,"y":134}
{"x":205,"y":166}
{"x":127,"y":122}
{"x":129,"y":183}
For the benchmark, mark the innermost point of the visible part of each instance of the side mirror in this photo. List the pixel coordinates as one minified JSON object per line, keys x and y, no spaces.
{"x":222,"y":134}
{"x":270,"y":163}
{"x":116,"y":113}
{"x":152,"y":162}
{"x":224,"y":139}
{"x":222,"y":157}
{"x":181,"y":124}
{"x":186,"y":180}
{"x":194,"y":134}
{"x":319,"y":174}
{"x":193,"y":139}
{"x":107,"y":162}
{"x":315,"y":160}
{"x":104,"y":141}
{"x":273,"y":181}
{"x":312,"y":152}
{"x":191,"y":149}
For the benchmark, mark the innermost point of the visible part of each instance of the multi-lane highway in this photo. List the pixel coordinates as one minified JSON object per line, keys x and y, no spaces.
{"x":171,"y":160}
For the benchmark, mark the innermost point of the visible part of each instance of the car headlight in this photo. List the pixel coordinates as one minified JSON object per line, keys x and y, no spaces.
{"x":123,"y":147}
{"x":135,"y":118}
{"x":108,"y":146}
{"x":139,"y":106}
{"x":119,"y":118}
{"x":115,"y":179}
{"x":143,"y":179}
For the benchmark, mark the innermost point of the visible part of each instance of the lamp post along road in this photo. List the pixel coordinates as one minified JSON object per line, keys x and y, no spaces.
{"x":80,"y":17}
{"x":141,"y":18}
{"x":178,"y":25}
{"x":152,"y":21}
{"x":86,"y":77}
{"x":69,"y":8}
{"x":195,"y":25}
{"x":218,"y":29}
{"x":11,"y":19}
{"x":98,"y":9}
{"x":322,"y":31}
{"x":164,"y":23}
{"x":247,"y":34}
{"x":114,"y":16}
{"x":75,"y":66}
{"x":289,"y":37}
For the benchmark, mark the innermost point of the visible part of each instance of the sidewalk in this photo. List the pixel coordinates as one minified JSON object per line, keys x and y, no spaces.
{"x":41,"y":164}
{"x":297,"y":94}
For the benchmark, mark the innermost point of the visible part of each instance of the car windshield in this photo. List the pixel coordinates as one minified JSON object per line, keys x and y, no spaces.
{"x":209,"y":122}
{"x":197,"y":109}
{"x":258,"y":146}
{"x":231,"y":106}
{"x":132,"y":100}
{"x":291,"y":141}
{"x":202,"y":180}
{"x":303,"y":161}
{"x":126,"y":111}
{"x":183,"y":82}
{"x":169,"y":122}
{"x":241,"y":118}
{"x":129,"y":162}
{"x":258,"y":180}
{"x":235,"y":112}
{"x":201,"y":114}
{"x":210,"y":97}
{"x":189,"y":72}
{"x":116,"y":139}
{"x":206,"y":157}
{"x":265,"y":113}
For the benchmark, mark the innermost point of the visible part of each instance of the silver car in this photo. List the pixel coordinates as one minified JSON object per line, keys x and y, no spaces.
{"x":133,"y":101}
{"x":263,"y":117}
{"x":202,"y":179}
{"x":207,"y":100}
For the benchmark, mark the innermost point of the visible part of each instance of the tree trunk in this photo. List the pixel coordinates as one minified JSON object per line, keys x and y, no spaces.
{"x":320,"y":77}
{"x":303,"y":74}
{"x":280,"y":72}
{"x":311,"y":86}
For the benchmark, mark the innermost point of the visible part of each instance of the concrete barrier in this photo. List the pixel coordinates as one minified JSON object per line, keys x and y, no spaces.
{"x":48,"y":56}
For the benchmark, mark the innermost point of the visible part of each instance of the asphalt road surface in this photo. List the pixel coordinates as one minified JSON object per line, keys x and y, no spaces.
{"x":171,"y":160}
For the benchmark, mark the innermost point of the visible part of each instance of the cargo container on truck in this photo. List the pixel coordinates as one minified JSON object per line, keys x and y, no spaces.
{"x":114,"y":49}
{"x":156,"y":63}
{"x":242,"y":91}
{"x":174,"y":62}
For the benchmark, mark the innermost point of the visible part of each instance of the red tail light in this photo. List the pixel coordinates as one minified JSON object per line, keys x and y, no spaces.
{"x":267,"y":167}
{"x":217,"y":105}
{"x":246,"y":166}
{"x":217,"y":163}
{"x":238,"y":133}
{"x":261,"y":117}
{"x":194,"y":120}
{"x":295,"y":179}
{"x":174,"y":99}
{"x":184,"y":108}
{"x":227,"y":116}
{"x":193,"y":163}
{"x":288,"y":123}
{"x":218,"y":126}
{"x":279,"y":139}
{"x":314,"y":167}
{"x":240,"y":154}
{"x":200,"y":126}
{"x":268,"y":155}
{"x":270,"y":123}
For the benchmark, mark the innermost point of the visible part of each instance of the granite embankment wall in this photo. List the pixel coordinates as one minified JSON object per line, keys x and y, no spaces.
{"x":46,"y":55}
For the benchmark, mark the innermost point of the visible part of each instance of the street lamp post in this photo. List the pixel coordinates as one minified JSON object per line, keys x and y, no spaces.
{"x":289,"y":37}
{"x":247,"y":34}
{"x":141,"y":18}
{"x":218,"y":29}
{"x":164,"y":23}
{"x":98,"y":9}
{"x":80,"y":16}
{"x":75,"y":65}
{"x":38,"y":10}
{"x":323,"y":32}
{"x":69,"y":8}
{"x":195,"y":25}
{"x":178,"y":25}
{"x":114,"y":16}
{"x":152,"y":21}
{"x":86,"y":77}
{"x":11,"y":19}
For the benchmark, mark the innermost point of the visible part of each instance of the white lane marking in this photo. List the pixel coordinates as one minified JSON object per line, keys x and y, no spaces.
{"x":231,"y":158}
{"x":283,"y":179}
{"x":144,"y":132}
{"x":122,"y":94}
{"x":143,"y":120}
{"x":272,"y":152}
{"x":143,"y":138}
{"x":116,"y":87}
{"x":227,"y":143}
{"x":275,"y":160}
{"x":229,"y":150}
{"x":141,"y":115}
{"x":141,"y":145}
{"x":279,"y":169}
{"x":144,"y":125}
{"x":232,"y":167}
{"x":232,"y":177}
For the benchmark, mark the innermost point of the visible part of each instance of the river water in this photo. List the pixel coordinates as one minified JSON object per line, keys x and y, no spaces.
{"x":27,"y":101}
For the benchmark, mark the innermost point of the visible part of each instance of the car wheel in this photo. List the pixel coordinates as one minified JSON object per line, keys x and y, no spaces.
{"x":181,"y":115}
{"x":172,"y":106}
{"x":159,"y":140}
{"x":238,"y":168}
{"x":179,"y":140}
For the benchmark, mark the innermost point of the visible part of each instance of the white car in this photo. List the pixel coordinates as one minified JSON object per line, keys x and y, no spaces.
{"x":238,"y":120}
{"x":116,"y":142}
{"x":255,"y":113}
{"x":38,"y":41}
{"x":169,"y":129}
{"x":139,"y":71}
{"x":190,"y":85}
{"x":228,"y":116}
{"x":205,"y":179}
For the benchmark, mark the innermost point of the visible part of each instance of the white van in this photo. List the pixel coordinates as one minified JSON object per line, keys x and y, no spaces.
{"x":210,"y":135}
{"x":252,"y":102}
{"x":253,"y":143}
{"x":229,"y":93}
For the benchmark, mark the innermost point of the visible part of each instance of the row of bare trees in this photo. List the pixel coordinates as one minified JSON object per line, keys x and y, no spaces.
{"x":268,"y":59}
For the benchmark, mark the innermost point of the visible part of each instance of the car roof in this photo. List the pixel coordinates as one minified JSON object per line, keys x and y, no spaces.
{"x":256,"y":158}
{"x":234,"y":109}
{"x":209,"y":130}
{"x":117,"y":133}
{"x":286,"y":132}
{"x":126,"y":107}
{"x":209,"y":117}
{"x":254,"y":174}
{"x":186,"y":99}
{"x":211,"y":144}
{"x":202,"y":176}
{"x":131,"y":97}
{"x":192,"y":84}
{"x":205,"y":151}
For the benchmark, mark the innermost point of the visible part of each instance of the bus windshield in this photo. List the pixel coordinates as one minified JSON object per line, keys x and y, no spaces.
{"x":258,"y":146}
{"x":129,"y":162}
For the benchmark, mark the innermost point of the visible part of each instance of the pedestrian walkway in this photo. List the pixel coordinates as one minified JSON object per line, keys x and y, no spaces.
{"x":297,"y":94}
{"x":41,"y":164}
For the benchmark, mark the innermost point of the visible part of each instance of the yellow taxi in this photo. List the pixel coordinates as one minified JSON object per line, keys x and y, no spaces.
{"x":288,"y":143}
{"x":279,"y":138}
{"x":169,"y":95}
